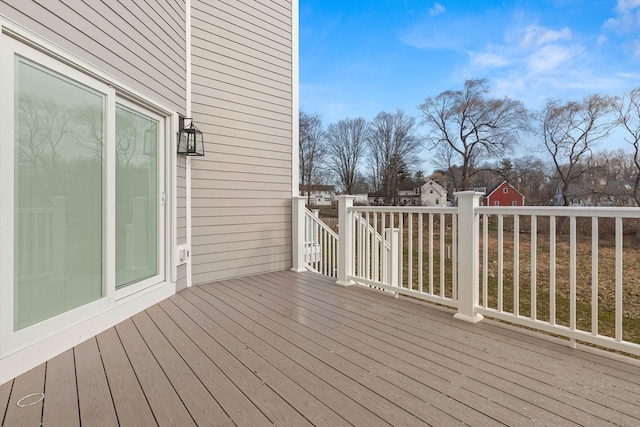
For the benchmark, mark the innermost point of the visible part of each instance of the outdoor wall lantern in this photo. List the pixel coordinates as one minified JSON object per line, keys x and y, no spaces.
{"x":190,"y":141}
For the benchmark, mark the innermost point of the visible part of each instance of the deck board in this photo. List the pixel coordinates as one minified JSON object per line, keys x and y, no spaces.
{"x":29,"y":383}
{"x":164,"y":401}
{"x":130,"y":403}
{"x":290,"y":360}
{"x":94,"y":395}
{"x":202,"y":406}
{"x":421,"y":382}
{"x":263,"y":396}
{"x":501,"y":366}
{"x":5,"y":395}
{"x":293,"y":349}
{"x":321,"y":360}
{"x":61,"y":392}
{"x":231,"y":399}
{"x":400,"y":390}
{"x":255,"y":360}
{"x":449,"y":372}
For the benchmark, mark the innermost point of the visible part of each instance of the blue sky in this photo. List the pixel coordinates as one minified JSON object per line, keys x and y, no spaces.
{"x":360,"y":57}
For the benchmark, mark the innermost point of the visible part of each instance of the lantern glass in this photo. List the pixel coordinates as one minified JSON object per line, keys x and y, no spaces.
{"x":191,"y":141}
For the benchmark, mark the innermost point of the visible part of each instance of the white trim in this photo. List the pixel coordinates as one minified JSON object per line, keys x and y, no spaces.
{"x":46,"y":348}
{"x":295,"y":100}
{"x":10,"y":339}
{"x":189,"y":113}
{"x":6,"y":192}
{"x":171,"y":260}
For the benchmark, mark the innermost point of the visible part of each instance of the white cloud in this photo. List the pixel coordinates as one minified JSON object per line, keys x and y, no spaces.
{"x":535,"y":35}
{"x":625,"y":5}
{"x":550,"y":58}
{"x":534,"y":62}
{"x":487,"y":60}
{"x":437,"y":9}
{"x":628,"y":18}
{"x":602,"y":39}
{"x":627,"y":21}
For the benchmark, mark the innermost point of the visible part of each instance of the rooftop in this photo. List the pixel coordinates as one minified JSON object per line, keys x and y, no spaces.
{"x":295,"y":349}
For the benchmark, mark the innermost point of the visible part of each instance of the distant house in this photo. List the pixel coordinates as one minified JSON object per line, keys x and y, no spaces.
{"x":433,"y":194}
{"x":602,"y":193}
{"x":375,"y":199}
{"x":577,"y":195}
{"x":409,"y":193}
{"x":321,"y":195}
{"x":503,"y":194}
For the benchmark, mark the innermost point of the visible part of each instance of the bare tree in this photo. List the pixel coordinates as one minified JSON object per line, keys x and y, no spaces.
{"x":628,"y":114}
{"x":312,"y":149}
{"x":468,"y":126}
{"x":44,"y":125}
{"x":393,"y":145}
{"x":346,"y":144}
{"x":569,"y":132}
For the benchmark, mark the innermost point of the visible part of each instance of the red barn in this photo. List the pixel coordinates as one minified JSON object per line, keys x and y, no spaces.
{"x":503,"y":194}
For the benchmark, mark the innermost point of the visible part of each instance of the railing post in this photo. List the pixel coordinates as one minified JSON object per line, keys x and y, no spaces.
{"x":298,"y":233}
{"x":392,"y":235}
{"x":468,"y":256}
{"x":345,"y":240}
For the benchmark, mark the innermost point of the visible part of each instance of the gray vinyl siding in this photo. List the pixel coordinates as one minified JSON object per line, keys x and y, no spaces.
{"x":134,"y":41}
{"x":242,"y":98}
{"x":181,"y":281}
{"x":181,"y":201}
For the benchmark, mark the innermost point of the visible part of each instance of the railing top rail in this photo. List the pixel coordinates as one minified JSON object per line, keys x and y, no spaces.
{"x":321,"y":223}
{"x":577,"y":211}
{"x":404,"y":209}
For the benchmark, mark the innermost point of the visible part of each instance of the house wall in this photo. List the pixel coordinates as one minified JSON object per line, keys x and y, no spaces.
{"x":429,"y":198}
{"x":505,"y":199}
{"x":242,"y":101}
{"x":140,"y":45}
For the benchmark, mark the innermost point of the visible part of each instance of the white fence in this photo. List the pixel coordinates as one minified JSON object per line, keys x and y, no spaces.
{"x":564,"y":270}
{"x":320,"y":244}
{"x":567,"y":271}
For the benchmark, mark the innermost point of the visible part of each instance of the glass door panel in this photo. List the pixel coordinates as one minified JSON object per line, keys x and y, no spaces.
{"x":137,"y":188}
{"x":58,"y":194}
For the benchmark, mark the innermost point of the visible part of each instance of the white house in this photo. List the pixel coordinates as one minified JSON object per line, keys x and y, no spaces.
{"x":100,"y":217}
{"x":433,"y":194}
{"x":320,"y":195}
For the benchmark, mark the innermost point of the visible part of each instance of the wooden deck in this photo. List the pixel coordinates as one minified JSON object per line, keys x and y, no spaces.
{"x":294,"y":349}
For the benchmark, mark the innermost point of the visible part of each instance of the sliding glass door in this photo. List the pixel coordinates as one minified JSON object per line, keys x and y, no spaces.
{"x":88,"y":204}
{"x":138,"y":196}
{"x":58,"y":194}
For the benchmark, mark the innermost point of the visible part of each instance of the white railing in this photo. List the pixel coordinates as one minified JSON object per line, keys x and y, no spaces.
{"x":566,"y":271}
{"x":406,"y":250}
{"x":562,"y":270}
{"x":320,"y":245}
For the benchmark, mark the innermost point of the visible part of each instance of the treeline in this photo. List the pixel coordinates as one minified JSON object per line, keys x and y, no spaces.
{"x":470,"y":137}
